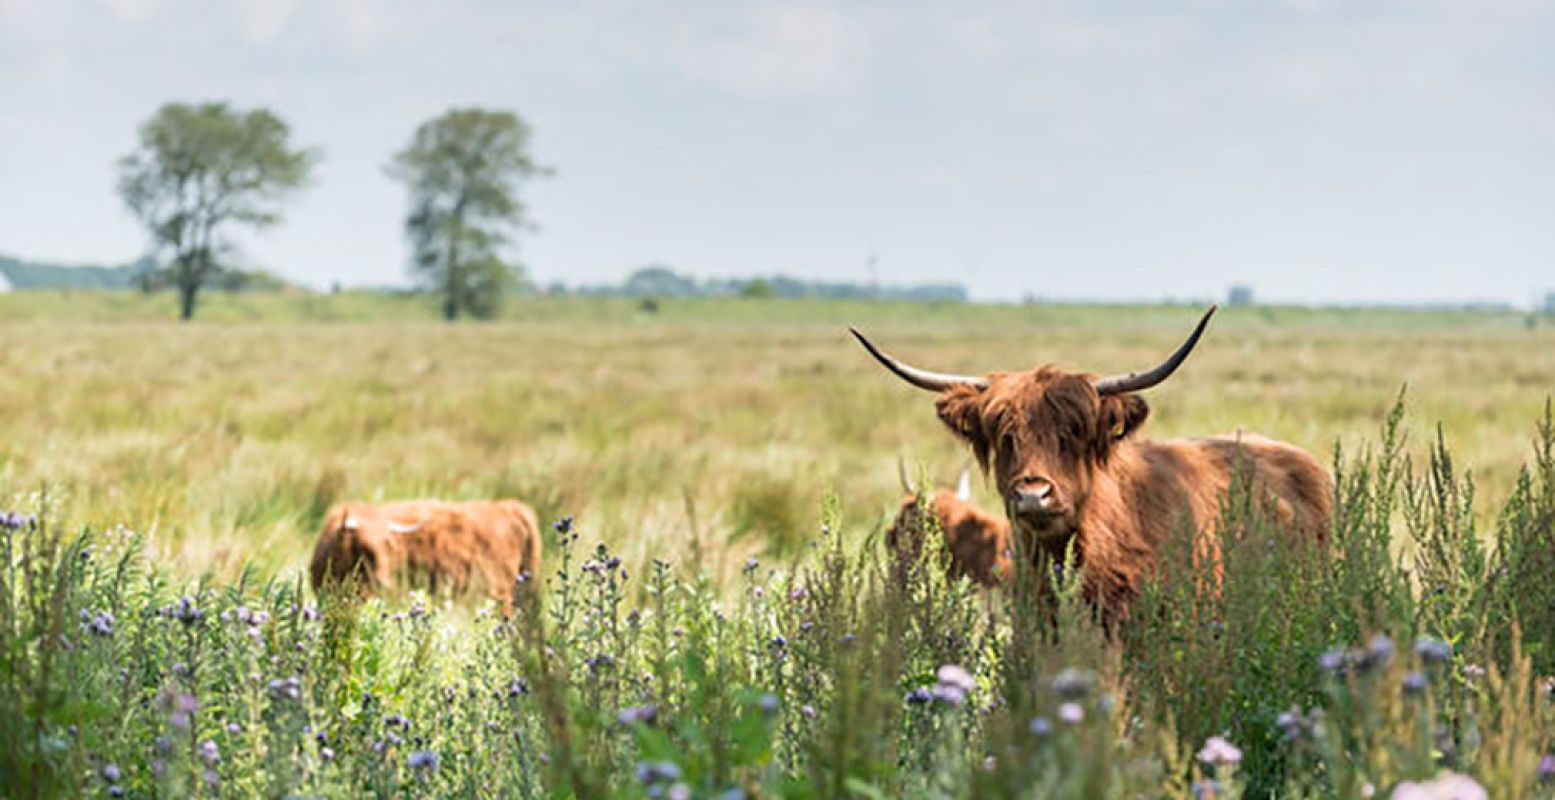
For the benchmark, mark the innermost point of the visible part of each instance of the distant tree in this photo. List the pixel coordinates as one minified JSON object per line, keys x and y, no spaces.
{"x":760,"y":287}
{"x":464,"y":170}
{"x":659,"y":281}
{"x":1240,"y":296}
{"x":200,"y":170}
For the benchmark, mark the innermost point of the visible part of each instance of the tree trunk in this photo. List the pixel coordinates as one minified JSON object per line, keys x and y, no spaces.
{"x":186,"y":293}
{"x":451,"y":269}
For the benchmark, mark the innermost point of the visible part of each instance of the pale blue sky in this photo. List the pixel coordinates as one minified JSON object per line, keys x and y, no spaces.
{"x":1318,"y":150}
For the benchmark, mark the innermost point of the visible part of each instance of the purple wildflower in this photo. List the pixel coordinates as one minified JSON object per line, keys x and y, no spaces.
{"x":423,"y":760}
{"x":187,"y":612}
{"x":1071,"y":713}
{"x":1377,"y":654}
{"x":646,"y":714}
{"x":1291,"y":723}
{"x":1432,"y":651}
{"x":101,"y":624}
{"x":651,"y":772}
{"x":953,"y":675}
{"x":111,"y":772}
{"x":1218,"y":751}
{"x":286,"y":688}
{"x":12,"y":520}
{"x":1414,"y":683}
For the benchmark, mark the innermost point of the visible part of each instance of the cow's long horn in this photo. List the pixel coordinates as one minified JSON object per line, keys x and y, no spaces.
{"x":921,"y":378}
{"x":1136,"y":381}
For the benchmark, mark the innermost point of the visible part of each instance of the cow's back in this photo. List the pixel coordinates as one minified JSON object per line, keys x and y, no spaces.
{"x":1297,"y":489}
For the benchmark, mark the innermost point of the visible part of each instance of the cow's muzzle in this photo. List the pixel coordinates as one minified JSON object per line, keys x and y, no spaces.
{"x":1038,"y":502}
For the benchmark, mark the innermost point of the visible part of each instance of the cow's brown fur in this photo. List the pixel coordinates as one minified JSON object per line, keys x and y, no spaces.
{"x":977,"y":542}
{"x":1118,"y":495}
{"x":451,"y":543}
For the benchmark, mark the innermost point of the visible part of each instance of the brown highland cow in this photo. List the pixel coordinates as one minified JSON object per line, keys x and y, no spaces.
{"x":1065,"y":451}
{"x":977,"y":542}
{"x":442,"y":544}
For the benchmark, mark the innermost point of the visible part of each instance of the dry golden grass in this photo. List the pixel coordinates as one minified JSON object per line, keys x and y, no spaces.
{"x":228,"y":438}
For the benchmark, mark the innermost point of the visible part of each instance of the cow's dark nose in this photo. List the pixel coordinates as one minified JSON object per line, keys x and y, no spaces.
{"x":1033,"y":494}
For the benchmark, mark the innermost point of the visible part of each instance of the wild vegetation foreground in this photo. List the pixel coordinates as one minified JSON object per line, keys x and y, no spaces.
{"x":720,"y":619}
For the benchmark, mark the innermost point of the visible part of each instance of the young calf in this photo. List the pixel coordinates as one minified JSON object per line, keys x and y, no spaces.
{"x":977,"y":542}
{"x":444,"y":544}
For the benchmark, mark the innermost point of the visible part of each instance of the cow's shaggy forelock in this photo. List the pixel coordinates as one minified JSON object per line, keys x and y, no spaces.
{"x":1047,"y":416}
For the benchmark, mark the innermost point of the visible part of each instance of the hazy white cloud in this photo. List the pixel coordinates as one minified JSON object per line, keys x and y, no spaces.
{"x":130,"y":10}
{"x":260,"y":21}
{"x":782,"y":49}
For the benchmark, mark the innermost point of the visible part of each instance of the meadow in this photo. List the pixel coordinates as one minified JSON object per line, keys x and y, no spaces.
{"x":739,"y":457}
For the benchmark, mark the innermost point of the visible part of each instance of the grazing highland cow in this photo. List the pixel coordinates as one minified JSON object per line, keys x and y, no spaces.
{"x":977,"y":542}
{"x":1069,"y":463}
{"x":440,"y":543}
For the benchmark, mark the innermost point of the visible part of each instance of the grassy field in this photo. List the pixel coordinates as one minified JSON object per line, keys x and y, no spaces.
{"x":754,"y":640}
{"x":711,"y":427}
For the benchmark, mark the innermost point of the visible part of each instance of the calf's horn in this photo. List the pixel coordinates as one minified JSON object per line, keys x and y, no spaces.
{"x":921,"y":378}
{"x":1136,"y":381}
{"x":901,"y":474}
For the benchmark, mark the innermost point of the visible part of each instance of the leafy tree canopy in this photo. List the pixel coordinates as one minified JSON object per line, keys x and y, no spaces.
{"x":464,"y":170}
{"x":199,"y":170}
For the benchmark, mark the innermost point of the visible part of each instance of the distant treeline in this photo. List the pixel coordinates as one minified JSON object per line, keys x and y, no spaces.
{"x":665,"y":282}
{"x":649,"y":282}
{"x":19,"y":274}
{"x":143,"y":274}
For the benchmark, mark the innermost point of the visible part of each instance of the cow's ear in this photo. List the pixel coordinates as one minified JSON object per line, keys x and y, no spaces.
{"x":1121,"y":415}
{"x":961,"y":409}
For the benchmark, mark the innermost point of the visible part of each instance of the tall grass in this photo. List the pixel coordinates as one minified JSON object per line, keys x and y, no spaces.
{"x":1343,"y":670}
{"x":223,"y":439}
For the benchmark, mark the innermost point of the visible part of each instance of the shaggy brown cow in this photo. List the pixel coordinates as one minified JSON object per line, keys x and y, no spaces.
{"x":977,"y":542}
{"x":1069,"y":463}
{"x":441,"y":543}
